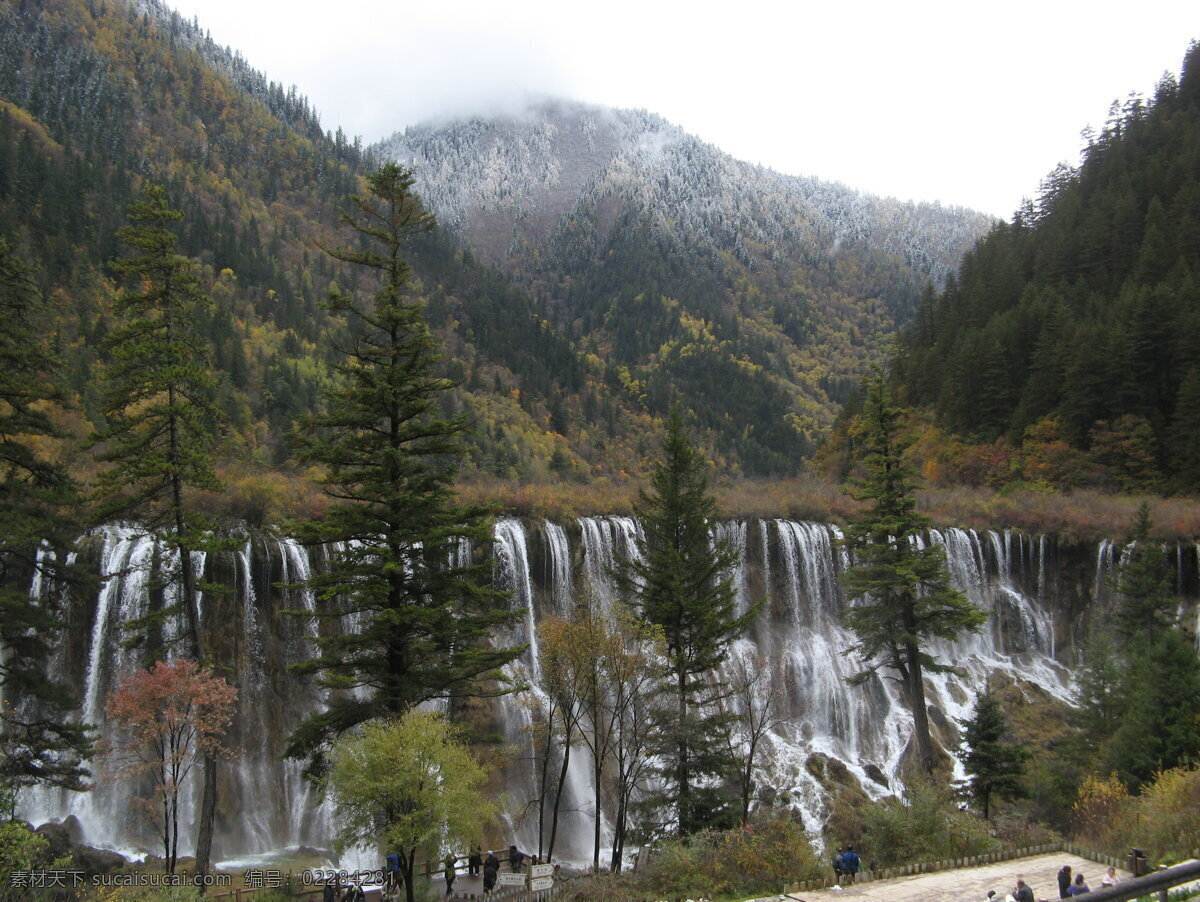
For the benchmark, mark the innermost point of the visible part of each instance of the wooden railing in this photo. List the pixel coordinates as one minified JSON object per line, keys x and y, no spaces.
{"x":1158,"y":881}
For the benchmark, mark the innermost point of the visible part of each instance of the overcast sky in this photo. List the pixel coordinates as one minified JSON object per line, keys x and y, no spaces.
{"x":966,"y":103}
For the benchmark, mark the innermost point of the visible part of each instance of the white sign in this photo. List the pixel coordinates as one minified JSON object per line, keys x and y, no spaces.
{"x":512,"y":879}
{"x":540,"y":883}
{"x":542,"y":870}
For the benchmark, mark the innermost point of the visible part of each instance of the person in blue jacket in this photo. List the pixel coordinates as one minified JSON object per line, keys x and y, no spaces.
{"x":850,"y":863}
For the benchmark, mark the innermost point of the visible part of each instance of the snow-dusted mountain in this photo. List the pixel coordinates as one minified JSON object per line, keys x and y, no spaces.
{"x":513,"y":180}
{"x":756,"y":299}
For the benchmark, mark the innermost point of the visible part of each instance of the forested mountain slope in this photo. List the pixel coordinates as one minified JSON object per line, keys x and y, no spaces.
{"x":1067,"y":351}
{"x":758,"y":299}
{"x":655,"y":269}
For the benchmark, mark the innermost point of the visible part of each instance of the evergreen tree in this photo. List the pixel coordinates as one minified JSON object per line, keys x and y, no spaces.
{"x":38,"y":744}
{"x":682,"y":582}
{"x":1159,"y":726}
{"x":1146,"y":607}
{"x":161,"y":423}
{"x":994,"y":762}
{"x":395,"y":531}
{"x":1158,"y":694}
{"x":901,"y":585}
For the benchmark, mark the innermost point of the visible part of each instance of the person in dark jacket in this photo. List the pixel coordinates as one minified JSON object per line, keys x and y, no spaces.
{"x":1064,"y":881}
{"x":1078,"y":888}
{"x":838,"y":864}
{"x":491,"y":868}
{"x":1023,"y":893}
{"x":474,"y":862}
{"x":516,"y":858}
{"x":850,"y":863}
{"x":331,"y":893}
{"x":450,"y":874}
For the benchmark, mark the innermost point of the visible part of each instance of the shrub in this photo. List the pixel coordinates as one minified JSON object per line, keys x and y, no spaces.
{"x":926,"y":825}
{"x":20,"y":850}
{"x":757,"y":860}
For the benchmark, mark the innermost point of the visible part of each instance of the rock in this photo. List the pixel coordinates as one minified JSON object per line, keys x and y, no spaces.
{"x":875,"y":773}
{"x":97,"y":861}
{"x":58,"y":835}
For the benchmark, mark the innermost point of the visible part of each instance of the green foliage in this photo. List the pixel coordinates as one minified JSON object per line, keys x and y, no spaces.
{"x":408,"y":785}
{"x":926,"y":825}
{"x":183,"y":892}
{"x":992,"y":757}
{"x":1159,"y":726}
{"x":161,"y":418}
{"x":20,"y":850}
{"x":681,"y":583}
{"x":900,"y":586}
{"x":389,"y":457}
{"x":1164,"y":819}
{"x":38,"y":744}
{"x":754,"y":861}
{"x":1084,"y":307}
{"x":1146,"y":605}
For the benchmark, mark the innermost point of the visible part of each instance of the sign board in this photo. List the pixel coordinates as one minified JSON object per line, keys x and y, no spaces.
{"x":540,"y":883}
{"x":511,"y":879}
{"x":541,"y":870}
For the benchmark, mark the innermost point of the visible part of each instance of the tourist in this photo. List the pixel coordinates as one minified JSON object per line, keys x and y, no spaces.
{"x":1023,"y":893}
{"x":515,"y":858}
{"x":1110,"y":878}
{"x":491,"y":868}
{"x":838,"y":865}
{"x":1078,"y":888}
{"x":475,"y":862}
{"x":1064,"y":881}
{"x":850,"y":863}
{"x":450,"y":874}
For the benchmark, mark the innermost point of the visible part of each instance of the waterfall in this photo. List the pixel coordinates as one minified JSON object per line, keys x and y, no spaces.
{"x":607,"y":542}
{"x":798,"y":641}
{"x":560,"y":567}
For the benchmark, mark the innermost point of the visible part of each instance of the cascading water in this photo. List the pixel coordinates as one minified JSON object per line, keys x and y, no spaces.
{"x":798,"y":641}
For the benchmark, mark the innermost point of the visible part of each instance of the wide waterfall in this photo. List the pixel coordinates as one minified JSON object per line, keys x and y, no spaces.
{"x":1036,"y":593}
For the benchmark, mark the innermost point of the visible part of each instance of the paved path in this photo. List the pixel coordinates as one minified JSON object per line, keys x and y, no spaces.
{"x":969,"y":884}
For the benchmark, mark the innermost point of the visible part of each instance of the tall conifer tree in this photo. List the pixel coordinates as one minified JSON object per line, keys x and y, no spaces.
{"x":161,"y":422}
{"x":683,"y":584}
{"x":993,"y":761}
{"x":900,"y":584}
{"x":38,"y":743}
{"x":422,"y":613}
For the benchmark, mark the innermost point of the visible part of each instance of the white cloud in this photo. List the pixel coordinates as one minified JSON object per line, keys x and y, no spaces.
{"x":963,"y":103}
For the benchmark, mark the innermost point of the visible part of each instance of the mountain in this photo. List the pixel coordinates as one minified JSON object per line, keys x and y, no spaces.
{"x":1067,"y":351}
{"x":597,"y":266}
{"x":756,"y":299}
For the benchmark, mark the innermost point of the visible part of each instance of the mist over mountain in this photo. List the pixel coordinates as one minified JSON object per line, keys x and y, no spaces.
{"x":755,"y":299}
{"x":510,"y":181}
{"x":593,"y":267}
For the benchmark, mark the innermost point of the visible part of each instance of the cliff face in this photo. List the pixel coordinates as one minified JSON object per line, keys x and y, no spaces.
{"x":1040,"y":596}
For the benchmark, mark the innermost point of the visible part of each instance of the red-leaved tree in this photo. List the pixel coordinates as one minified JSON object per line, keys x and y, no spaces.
{"x":170,"y":715}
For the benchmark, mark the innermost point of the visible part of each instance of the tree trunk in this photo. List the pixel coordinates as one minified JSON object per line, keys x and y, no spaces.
{"x":407,"y":865}
{"x":562,"y":779}
{"x":916,"y":696}
{"x":681,"y":764}
{"x":208,"y":813}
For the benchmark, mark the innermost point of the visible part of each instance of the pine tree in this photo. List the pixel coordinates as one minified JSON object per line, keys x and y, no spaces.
{"x":1158,"y":695}
{"x":901,"y":587}
{"x":38,"y":743}
{"x":994,"y":762}
{"x":682,"y":583}
{"x":395,"y":531}
{"x":161,"y":422}
{"x":1146,"y":606}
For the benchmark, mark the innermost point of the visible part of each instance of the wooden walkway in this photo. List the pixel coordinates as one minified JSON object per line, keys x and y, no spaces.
{"x":967,"y":884}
